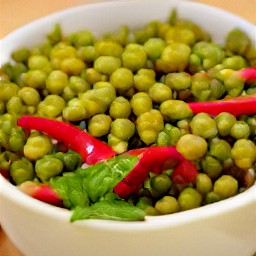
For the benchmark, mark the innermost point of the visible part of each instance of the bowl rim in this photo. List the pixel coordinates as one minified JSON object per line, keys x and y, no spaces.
{"x":12,"y":193}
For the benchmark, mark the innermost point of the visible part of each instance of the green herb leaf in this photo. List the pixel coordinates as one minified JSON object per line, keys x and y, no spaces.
{"x":70,"y":190}
{"x":100,"y":179}
{"x":110,"y":208}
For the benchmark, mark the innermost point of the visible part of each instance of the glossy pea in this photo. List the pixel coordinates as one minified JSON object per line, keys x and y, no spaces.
{"x":244,"y":153}
{"x":225,"y":186}
{"x":22,"y":170}
{"x":192,"y":147}
{"x":56,"y":82}
{"x":48,"y":167}
{"x":144,"y":79}
{"x":203,"y":125}
{"x":120,"y":108}
{"x":189,"y":198}
{"x":160,"y":92}
{"x":141,"y":102}
{"x":122,"y":79}
{"x":167,"y":205}
{"x":37,"y":146}
{"x":107,"y":64}
{"x":99,"y":125}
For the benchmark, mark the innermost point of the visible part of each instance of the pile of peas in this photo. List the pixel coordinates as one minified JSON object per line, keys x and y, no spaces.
{"x":123,"y":89}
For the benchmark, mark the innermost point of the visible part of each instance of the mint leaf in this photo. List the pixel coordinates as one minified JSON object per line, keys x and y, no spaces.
{"x":101,"y":178}
{"x":70,"y":189}
{"x":109,"y":209}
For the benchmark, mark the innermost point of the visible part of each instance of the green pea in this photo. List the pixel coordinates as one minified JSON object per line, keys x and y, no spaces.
{"x":29,"y":96}
{"x":220,"y":149}
{"x":120,"y":108}
{"x":37,"y":146}
{"x":169,"y":136}
{"x":22,"y":170}
{"x":81,"y":38}
{"x":16,"y":140}
{"x":118,"y":145}
{"x":15,"y":106}
{"x":237,"y":41}
{"x":74,"y":113}
{"x":203,"y":125}
{"x":87,"y":53}
{"x":167,"y":205}
{"x":234,"y":83}
{"x":210,"y":54}
{"x":224,"y":122}
{"x":107,"y":64}
{"x":48,"y":167}
{"x":8,"y":90}
{"x":99,"y":125}
{"x":154,"y":48}
{"x":161,"y":183}
{"x":192,"y":147}
{"x":240,"y":130}
{"x":200,"y":86}
{"x":144,"y":79}
{"x":203,"y":183}
{"x":122,"y":128}
{"x":174,"y":58}
{"x":35,"y":79}
{"x":189,"y":198}
{"x":180,"y":35}
{"x":178,"y":81}
{"x":72,"y":66}
{"x":39,"y":62}
{"x":235,"y":62}
{"x":56,"y":82}
{"x":211,"y":166}
{"x":175,"y":109}
{"x":109,"y":48}
{"x":134,"y":57}
{"x":21,"y":55}
{"x":122,"y":79}
{"x":160,"y":92}
{"x":225,"y":186}
{"x":51,"y":106}
{"x":78,"y":84}
{"x":212,"y":197}
{"x":141,"y":102}
{"x":244,"y":153}
{"x":91,"y":76}
{"x":61,"y":51}
{"x":55,"y":35}
{"x":143,"y":34}
{"x":149,"y":124}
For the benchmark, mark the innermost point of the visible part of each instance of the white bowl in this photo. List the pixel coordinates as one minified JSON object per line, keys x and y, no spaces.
{"x":37,"y":229}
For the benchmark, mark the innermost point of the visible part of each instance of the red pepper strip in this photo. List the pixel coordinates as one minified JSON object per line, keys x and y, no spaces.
{"x":5,"y":173}
{"x":42,"y":192}
{"x":184,"y":173}
{"x":155,"y":159}
{"x":91,"y":149}
{"x":236,"y":106}
{"x":248,"y":73}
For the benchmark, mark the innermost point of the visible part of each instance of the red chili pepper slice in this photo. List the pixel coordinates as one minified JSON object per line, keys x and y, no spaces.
{"x":236,"y":106}
{"x":91,"y":149}
{"x":248,"y":73}
{"x":155,"y":159}
{"x":42,"y":192}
